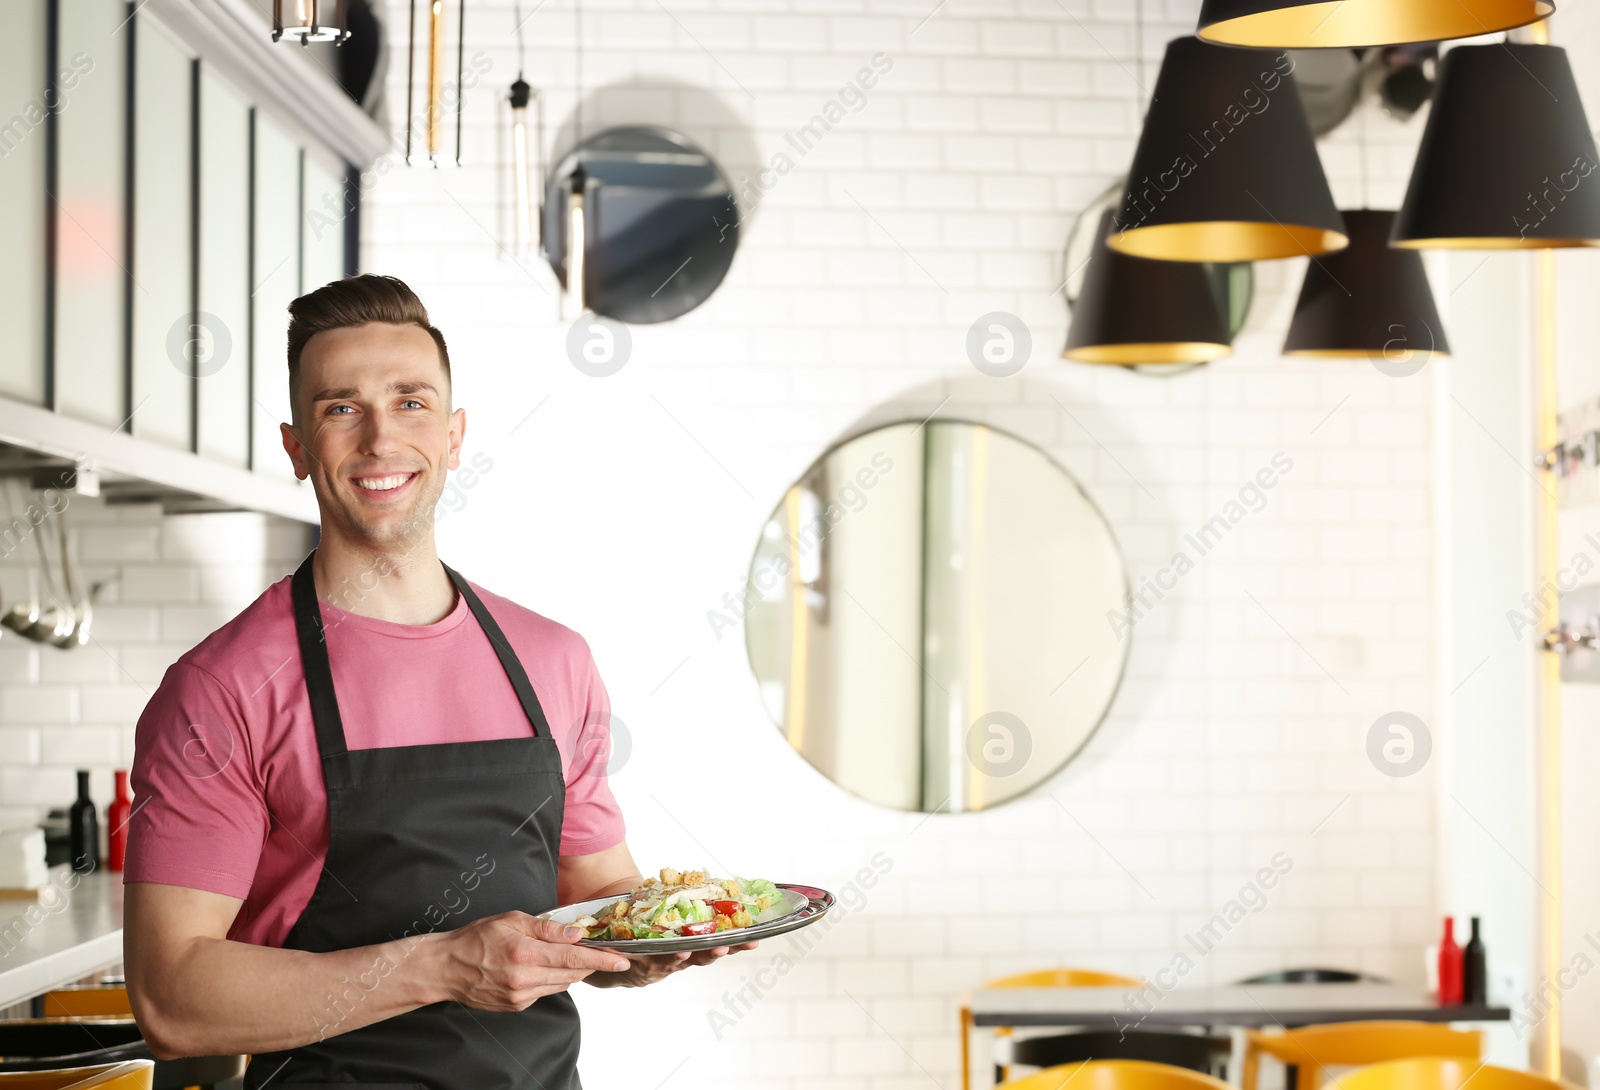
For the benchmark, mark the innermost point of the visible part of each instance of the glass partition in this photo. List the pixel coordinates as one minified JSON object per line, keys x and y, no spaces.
{"x":91,"y":380}
{"x":322,"y":222}
{"x":221,"y":359}
{"x":276,"y":281}
{"x":165,"y":333}
{"x":22,"y":195}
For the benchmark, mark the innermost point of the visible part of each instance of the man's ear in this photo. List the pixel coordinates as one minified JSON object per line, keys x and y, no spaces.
{"x":458,"y":432}
{"x":298,"y":454}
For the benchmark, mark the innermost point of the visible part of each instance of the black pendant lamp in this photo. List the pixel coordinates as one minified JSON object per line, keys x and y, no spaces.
{"x":1507,"y":161}
{"x":1135,"y":311}
{"x":1326,"y":24}
{"x":1367,"y":301}
{"x":1226,"y":168}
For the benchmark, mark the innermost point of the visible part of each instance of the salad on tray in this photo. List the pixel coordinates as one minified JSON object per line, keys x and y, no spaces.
{"x":682,"y":903}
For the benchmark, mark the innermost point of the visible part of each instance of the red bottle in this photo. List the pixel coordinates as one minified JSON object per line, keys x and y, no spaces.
{"x":117,"y":826}
{"x":1449,"y":965}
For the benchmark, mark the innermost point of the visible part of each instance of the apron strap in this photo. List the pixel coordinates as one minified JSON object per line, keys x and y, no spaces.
{"x":314,"y":659}
{"x":319,"y":673}
{"x":508,"y":658}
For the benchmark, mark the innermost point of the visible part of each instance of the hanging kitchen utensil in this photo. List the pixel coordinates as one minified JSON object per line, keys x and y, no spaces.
{"x":22,"y":616}
{"x":56,"y":620}
{"x":82,"y":608}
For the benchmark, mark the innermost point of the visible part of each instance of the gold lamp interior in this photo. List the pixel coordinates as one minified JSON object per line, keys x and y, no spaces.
{"x":1494,"y":242}
{"x":1361,"y":354}
{"x":1226,"y":241}
{"x":1161,"y":352}
{"x":1351,"y":23}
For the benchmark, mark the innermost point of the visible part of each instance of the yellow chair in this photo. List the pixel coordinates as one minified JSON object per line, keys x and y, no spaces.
{"x":130,"y":1075}
{"x":1117,"y":1075}
{"x":87,"y":1001}
{"x":1312,"y":1049}
{"x":1443,"y":1073}
{"x":1038,"y":978}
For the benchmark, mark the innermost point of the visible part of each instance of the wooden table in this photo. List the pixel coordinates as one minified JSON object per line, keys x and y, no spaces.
{"x":1232,"y":1009}
{"x":60,"y":937}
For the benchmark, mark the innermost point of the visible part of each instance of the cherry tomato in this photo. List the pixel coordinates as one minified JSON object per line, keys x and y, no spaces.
{"x":705,"y":928}
{"x":726,"y":908}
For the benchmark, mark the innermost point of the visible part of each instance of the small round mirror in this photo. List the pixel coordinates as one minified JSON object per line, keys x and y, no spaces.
{"x":932,"y":616}
{"x":660,"y":223}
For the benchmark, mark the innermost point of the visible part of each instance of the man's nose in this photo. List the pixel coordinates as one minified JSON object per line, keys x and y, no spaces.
{"x":378,"y":434}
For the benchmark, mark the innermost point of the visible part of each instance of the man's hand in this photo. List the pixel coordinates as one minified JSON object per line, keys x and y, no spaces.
{"x":651,"y":968}
{"x":505,"y":962}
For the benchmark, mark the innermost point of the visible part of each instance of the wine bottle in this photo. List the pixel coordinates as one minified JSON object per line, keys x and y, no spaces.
{"x":85,"y":827}
{"x":1450,"y":966}
{"x":117,"y":822}
{"x":1474,"y":971}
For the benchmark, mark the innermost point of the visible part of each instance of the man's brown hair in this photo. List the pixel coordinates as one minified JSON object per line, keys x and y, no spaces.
{"x":353,"y":301}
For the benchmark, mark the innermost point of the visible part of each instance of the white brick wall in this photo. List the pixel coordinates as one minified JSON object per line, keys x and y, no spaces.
{"x":1228,"y":741}
{"x":170,"y":580}
{"x":1240,"y":726}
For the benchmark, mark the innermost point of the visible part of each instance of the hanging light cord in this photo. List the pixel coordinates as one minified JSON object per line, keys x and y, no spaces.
{"x":1138,"y":50}
{"x":577,"y":15}
{"x":522,"y":56}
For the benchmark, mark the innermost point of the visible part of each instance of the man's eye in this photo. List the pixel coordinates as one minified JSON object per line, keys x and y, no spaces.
{"x":338,"y":408}
{"x":412,"y":401}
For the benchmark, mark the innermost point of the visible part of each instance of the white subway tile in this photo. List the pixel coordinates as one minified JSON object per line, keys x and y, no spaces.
{"x":38,"y":704}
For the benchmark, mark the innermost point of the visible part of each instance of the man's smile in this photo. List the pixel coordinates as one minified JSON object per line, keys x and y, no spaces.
{"x":388,"y":487}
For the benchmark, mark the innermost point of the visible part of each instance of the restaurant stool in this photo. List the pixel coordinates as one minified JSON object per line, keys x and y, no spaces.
{"x":1307,"y":976}
{"x":1444,"y":1073}
{"x":1037,"y":978}
{"x":1312,"y":1049}
{"x":129,"y":1075}
{"x":1122,"y":1075}
{"x":39,"y":1044}
{"x":85,"y":1000}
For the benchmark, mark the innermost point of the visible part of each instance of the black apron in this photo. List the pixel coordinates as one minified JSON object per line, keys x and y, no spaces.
{"x":423,"y":839}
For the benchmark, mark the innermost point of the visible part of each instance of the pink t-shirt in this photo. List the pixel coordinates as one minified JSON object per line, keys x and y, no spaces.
{"x":227,"y":780}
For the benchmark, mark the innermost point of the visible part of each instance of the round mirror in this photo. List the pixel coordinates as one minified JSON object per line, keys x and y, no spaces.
{"x":660,"y":223}
{"x":930,"y":616}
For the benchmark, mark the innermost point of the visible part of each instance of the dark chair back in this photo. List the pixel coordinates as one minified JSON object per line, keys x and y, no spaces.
{"x":1187,"y":1050}
{"x":44,"y":1044}
{"x":1314,"y":976}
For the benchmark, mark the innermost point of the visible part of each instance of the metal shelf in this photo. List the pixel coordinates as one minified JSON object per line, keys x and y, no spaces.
{"x":48,"y":448}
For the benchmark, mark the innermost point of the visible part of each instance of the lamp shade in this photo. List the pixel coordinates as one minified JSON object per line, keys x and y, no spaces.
{"x":1507,"y":161}
{"x":1325,"y":24}
{"x":1226,"y":168}
{"x":1366,"y":301}
{"x":307,"y":21}
{"x":1132,"y":310}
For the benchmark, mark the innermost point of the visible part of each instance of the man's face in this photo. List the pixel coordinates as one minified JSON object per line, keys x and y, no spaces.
{"x":376,"y":435}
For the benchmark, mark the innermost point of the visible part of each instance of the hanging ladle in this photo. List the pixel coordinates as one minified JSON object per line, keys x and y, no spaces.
{"x":82,"y":610}
{"x":21,"y":617}
{"x":55,"y":621}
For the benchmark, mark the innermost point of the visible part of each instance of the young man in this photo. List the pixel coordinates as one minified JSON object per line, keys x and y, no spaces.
{"x":351,"y":798}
